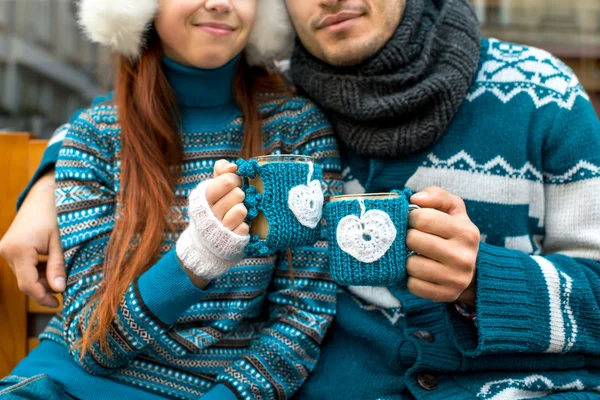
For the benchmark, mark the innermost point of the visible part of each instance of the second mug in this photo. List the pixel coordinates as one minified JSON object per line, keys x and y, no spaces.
{"x":367,"y":238}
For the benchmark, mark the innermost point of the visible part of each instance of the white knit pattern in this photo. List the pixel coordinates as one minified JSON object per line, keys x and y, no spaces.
{"x":306,"y":201}
{"x":367,"y":238}
{"x":530,"y":387}
{"x":198,"y":259}
{"x":214,"y":235}
{"x":512,"y":69}
{"x":207,"y":248}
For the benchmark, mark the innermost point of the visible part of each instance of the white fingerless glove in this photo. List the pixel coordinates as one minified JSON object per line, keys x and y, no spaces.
{"x":207,"y":248}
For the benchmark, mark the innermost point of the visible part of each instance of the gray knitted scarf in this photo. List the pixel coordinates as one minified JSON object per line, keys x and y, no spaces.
{"x":401,"y":100}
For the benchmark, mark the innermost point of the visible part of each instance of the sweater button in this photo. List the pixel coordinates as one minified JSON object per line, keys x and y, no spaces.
{"x":424,"y":335}
{"x":427,"y":381}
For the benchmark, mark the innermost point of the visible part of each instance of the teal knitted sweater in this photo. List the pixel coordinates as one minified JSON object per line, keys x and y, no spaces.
{"x":256,"y":330}
{"x":523,"y":152}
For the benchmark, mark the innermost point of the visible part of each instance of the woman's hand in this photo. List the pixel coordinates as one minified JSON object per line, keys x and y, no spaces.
{"x":226,"y":198}
{"x":217,"y":234}
{"x":34,"y":232}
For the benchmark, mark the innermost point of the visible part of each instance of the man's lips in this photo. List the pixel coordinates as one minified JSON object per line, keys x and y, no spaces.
{"x":338,"y":18}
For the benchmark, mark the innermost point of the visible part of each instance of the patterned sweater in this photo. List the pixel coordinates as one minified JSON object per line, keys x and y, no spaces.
{"x":246,"y":330}
{"x":523,"y":152}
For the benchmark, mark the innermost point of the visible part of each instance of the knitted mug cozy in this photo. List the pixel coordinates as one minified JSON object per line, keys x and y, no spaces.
{"x":292,"y":203}
{"x":367,"y":240}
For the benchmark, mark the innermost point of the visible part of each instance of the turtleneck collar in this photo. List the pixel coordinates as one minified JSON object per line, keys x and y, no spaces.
{"x":201,"y":88}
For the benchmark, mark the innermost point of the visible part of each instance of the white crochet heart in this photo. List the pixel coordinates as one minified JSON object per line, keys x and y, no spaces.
{"x":306,"y":202}
{"x":368,"y":237}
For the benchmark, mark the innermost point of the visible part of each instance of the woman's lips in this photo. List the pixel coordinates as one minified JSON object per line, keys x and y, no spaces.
{"x":215,"y":29}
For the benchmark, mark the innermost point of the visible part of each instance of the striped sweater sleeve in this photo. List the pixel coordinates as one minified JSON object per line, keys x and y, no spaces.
{"x":302,"y":300}
{"x":548,"y":302}
{"x":85,"y":198}
{"x":51,"y":153}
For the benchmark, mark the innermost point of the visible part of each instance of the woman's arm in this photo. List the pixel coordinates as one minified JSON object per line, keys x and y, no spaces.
{"x":302,"y":300}
{"x":86,"y":202}
{"x":46,"y":167}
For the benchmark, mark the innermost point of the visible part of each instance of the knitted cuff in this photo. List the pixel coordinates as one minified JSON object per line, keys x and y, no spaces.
{"x":507,"y":280}
{"x":211,"y":232}
{"x":198,"y":259}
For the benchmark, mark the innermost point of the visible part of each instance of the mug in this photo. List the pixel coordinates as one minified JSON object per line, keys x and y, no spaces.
{"x":367,"y":238}
{"x":284,"y":198}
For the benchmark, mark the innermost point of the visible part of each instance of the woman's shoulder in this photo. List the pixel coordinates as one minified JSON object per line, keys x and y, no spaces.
{"x":293,"y":113}
{"x":100,"y":116}
{"x":289,"y":104}
{"x":294,"y":121}
{"x":95,"y":129}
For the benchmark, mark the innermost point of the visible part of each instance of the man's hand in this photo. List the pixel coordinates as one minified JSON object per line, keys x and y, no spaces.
{"x":447,"y":245}
{"x":35,"y":232}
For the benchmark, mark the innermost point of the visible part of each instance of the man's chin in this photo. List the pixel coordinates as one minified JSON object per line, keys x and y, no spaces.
{"x":348,"y":56}
{"x":344,"y":60}
{"x":350,"y":50}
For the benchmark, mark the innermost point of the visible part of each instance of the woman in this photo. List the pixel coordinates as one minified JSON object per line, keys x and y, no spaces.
{"x":154,"y":306}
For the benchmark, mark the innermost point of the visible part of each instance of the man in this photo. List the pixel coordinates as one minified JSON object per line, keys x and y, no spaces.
{"x":503,"y":146}
{"x":510,"y":137}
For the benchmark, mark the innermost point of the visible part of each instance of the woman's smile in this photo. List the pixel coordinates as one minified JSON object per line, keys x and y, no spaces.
{"x":215,"y":28}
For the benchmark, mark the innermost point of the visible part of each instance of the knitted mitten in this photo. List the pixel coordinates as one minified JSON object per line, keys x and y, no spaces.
{"x":207,"y":248}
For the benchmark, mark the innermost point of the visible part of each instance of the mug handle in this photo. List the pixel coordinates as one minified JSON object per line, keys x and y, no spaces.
{"x":249,"y":170}
{"x":407,"y":193}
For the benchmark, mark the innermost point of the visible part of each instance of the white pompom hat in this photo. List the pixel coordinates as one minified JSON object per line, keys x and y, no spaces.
{"x":123,"y":24}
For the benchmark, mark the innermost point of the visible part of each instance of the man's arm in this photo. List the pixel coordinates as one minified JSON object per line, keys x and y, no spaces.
{"x":556,"y":294}
{"x":46,"y":167}
{"x":34,"y":230}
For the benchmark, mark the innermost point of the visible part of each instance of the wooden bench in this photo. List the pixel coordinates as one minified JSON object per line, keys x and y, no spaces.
{"x":20,"y":154}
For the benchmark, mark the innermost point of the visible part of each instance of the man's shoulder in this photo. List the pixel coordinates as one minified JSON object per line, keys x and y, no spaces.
{"x":508,"y":69}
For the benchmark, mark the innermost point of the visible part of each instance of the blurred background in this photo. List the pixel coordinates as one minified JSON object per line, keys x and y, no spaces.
{"x":48,"y":69}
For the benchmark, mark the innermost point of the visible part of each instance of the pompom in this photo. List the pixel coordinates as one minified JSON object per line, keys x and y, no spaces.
{"x":272,"y":37}
{"x":120,"y":24}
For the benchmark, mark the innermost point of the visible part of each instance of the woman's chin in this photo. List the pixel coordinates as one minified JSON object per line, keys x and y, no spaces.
{"x":210,"y":61}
